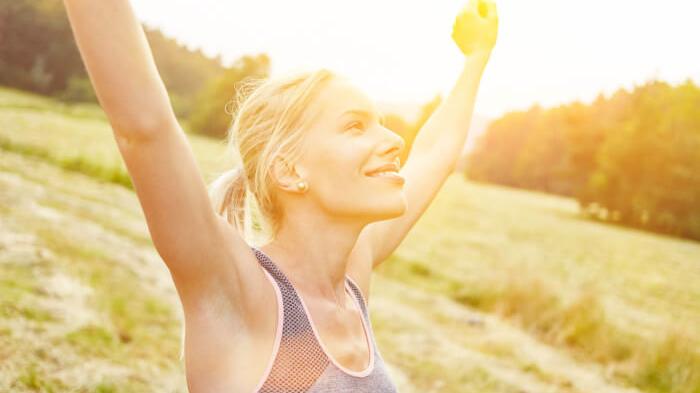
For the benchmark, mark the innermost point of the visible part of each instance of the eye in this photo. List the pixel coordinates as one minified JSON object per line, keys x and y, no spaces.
{"x":355,"y":124}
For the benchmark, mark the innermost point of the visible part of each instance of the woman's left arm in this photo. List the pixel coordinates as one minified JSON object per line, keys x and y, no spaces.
{"x":439,"y":143}
{"x":442,"y":137}
{"x":475,"y":31}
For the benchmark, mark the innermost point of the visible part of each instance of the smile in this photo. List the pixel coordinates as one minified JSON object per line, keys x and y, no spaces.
{"x":389,"y":176}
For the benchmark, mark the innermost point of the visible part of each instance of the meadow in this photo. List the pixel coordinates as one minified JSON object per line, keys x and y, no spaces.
{"x":495,"y":290}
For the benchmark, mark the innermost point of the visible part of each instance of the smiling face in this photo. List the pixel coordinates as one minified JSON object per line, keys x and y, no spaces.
{"x":344,"y":143}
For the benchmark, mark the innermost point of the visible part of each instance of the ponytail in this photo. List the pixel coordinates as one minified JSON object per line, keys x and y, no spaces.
{"x":228,"y":194}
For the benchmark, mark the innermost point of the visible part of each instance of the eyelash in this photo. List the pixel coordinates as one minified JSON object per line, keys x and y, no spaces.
{"x":356,"y":122}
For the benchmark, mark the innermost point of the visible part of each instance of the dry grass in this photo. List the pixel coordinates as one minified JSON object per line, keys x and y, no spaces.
{"x":495,"y":290}
{"x":621,"y":298}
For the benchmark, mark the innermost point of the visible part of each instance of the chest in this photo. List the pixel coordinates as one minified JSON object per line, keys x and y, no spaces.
{"x":224,"y":355}
{"x":343,"y":335}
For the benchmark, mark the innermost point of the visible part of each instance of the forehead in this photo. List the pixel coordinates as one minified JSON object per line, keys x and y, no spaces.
{"x":339,"y":96}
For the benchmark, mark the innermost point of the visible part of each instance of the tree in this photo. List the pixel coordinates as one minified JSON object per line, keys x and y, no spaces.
{"x":633,"y":159}
{"x":209,"y":115}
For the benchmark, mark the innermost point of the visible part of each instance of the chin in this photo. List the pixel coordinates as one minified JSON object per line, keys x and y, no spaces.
{"x":395,"y":210}
{"x":375,"y":205}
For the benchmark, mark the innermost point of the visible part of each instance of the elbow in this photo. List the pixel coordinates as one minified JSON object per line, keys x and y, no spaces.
{"x":452,"y":167}
{"x":141,"y":127}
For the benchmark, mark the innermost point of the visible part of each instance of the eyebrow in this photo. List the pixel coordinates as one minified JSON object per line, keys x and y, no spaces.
{"x":366,"y":114}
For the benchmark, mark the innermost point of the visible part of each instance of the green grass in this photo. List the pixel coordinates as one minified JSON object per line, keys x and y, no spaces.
{"x":78,"y":138}
{"x":489,"y":286}
{"x":20,"y":100}
{"x":32,"y":378}
{"x":609,"y":295}
{"x":142,"y":323}
{"x":58,"y":223}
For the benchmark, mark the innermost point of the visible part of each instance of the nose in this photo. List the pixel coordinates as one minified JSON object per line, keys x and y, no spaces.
{"x":393,"y":144}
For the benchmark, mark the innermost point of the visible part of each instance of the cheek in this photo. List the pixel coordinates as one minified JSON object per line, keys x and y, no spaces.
{"x":342,"y":160}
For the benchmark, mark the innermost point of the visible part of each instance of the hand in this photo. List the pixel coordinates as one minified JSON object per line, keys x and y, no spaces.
{"x":476,"y":27}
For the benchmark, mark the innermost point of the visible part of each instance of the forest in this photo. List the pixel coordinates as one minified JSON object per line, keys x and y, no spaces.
{"x":632,"y":158}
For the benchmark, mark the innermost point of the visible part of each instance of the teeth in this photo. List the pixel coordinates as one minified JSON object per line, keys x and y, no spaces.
{"x":385,"y":173}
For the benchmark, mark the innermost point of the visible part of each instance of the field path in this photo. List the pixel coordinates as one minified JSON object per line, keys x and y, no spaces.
{"x":431,"y":343}
{"x":452,"y":335}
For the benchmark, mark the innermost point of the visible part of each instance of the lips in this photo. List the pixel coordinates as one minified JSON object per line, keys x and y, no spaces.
{"x":387,"y":172}
{"x":388,"y":167}
{"x":390,"y":176}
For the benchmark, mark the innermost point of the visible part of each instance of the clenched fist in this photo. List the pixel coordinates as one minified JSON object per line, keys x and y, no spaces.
{"x":476,"y":27}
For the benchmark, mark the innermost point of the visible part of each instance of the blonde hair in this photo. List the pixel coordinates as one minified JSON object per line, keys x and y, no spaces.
{"x":270,"y":120}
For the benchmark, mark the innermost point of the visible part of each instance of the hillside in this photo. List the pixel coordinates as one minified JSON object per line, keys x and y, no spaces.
{"x":495,"y":290}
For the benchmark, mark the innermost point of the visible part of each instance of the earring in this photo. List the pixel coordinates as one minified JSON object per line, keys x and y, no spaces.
{"x":302,"y":186}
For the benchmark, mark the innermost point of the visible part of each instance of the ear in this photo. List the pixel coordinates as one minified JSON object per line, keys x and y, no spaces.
{"x":285,"y":175}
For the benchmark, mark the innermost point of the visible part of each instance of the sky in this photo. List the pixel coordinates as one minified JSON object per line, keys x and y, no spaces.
{"x":549,"y":52}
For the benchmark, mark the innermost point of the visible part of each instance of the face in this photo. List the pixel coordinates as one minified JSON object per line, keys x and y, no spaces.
{"x":346,"y":141}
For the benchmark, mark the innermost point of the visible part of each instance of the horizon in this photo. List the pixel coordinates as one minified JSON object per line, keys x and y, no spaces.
{"x":546,"y":54}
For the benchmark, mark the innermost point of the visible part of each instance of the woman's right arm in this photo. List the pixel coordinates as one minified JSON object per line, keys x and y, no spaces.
{"x":116,"y":54}
{"x":197,"y":245}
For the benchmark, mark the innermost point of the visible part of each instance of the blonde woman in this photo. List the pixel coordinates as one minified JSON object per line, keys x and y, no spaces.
{"x":290,"y":315}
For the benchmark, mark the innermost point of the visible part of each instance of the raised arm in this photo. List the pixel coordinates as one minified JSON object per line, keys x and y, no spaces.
{"x":198,"y":246}
{"x":440,"y":141}
{"x":119,"y":62}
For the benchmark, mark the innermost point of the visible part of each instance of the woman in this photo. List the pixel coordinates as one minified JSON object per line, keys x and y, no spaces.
{"x":291,"y":315}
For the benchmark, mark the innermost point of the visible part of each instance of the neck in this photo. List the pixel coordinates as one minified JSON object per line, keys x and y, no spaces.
{"x":313,"y":252}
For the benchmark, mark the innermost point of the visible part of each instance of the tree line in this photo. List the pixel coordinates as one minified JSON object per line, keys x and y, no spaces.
{"x":38,"y":54}
{"x":632,"y":158}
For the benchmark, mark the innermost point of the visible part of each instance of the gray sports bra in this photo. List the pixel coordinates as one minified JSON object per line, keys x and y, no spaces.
{"x":300,"y":362}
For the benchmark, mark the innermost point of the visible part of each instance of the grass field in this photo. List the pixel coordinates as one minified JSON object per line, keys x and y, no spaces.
{"x":495,"y":290}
